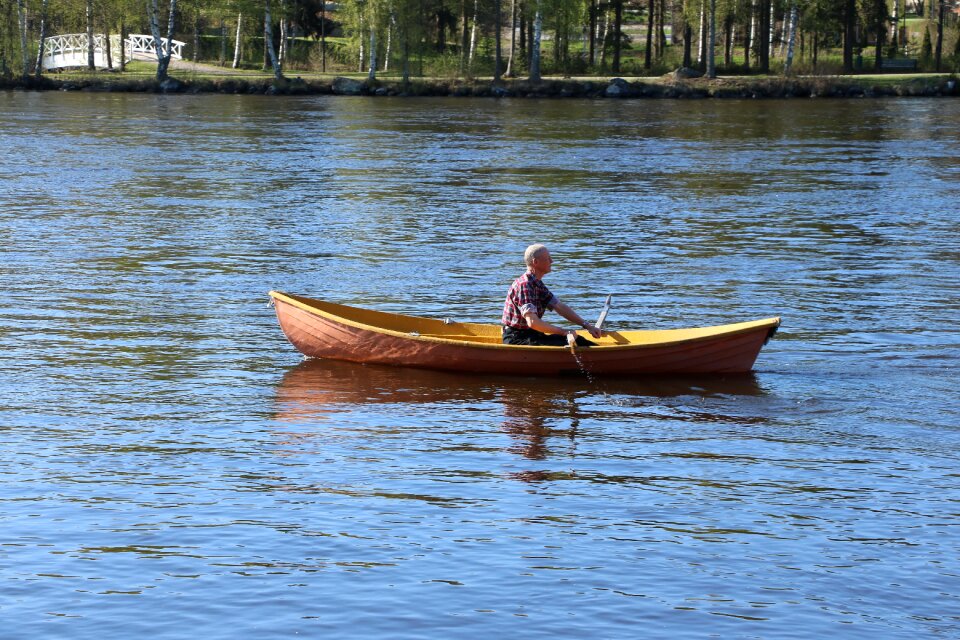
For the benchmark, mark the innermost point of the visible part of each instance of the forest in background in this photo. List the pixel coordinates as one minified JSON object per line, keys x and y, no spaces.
{"x":514,"y":38}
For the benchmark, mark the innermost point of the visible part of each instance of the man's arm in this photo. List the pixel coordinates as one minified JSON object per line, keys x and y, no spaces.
{"x":539,"y":324}
{"x":564,"y":310}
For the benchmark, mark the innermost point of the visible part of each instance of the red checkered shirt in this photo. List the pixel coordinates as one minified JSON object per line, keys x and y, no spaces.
{"x":527,"y":293}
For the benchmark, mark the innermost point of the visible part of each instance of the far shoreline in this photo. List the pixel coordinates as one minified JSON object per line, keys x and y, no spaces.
{"x":671,"y":86}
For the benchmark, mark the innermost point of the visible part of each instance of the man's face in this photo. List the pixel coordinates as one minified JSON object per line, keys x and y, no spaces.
{"x":543,"y":262}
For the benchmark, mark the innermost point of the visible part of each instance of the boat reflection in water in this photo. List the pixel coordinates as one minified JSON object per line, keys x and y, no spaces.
{"x":537,"y":413}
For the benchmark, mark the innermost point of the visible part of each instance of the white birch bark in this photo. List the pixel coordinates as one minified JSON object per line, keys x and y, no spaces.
{"x":268,"y":41}
{"x":372,"y":75}
{"x":603,"y":37}
{"x":785,"y":28}
{"x":282,"y":56}
{"x":236,"y":46}
{"x":389,"y":49}
{"x":473,"y":36}
{"x":703,"y":26}
{"x":163,"y":53}
{"x":535,"y":44}
{"x":895,"y":24}
{"x":773,"y":30}
{"x":361,"y":45}
{"x":791,"y":39}
{"x":752,"y":34}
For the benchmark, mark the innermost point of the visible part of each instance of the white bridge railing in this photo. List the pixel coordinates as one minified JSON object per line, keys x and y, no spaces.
{"x":70,"y":50}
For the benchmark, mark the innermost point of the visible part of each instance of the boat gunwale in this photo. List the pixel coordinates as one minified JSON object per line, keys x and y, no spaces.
{"x":770,"y":323}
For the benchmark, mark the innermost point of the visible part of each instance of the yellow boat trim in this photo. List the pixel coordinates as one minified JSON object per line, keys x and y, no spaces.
{"x":488,"y":336}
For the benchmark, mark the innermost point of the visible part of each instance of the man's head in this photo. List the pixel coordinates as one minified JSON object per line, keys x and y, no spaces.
{"x":533,"y":252}
{"x":538,"y":259}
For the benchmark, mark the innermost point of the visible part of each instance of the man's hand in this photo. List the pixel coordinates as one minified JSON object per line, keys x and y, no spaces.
{"x":596,"y":333}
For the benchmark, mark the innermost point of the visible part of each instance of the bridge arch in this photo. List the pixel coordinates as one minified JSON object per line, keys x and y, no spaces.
{"x":70,"y":50}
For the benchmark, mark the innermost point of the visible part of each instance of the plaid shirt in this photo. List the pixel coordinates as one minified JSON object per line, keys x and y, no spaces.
{"x":527,"y":293}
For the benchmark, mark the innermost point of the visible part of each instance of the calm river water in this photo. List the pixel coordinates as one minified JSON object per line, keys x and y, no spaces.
{"x":170,"y":467}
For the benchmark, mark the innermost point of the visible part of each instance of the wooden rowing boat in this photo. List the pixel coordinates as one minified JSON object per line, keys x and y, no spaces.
{"x":321,"y":329}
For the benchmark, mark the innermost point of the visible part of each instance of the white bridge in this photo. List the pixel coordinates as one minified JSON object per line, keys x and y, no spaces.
{"x":70,"y":50}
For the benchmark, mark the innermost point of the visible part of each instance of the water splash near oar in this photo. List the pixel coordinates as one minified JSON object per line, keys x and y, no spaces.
{"x":572,"y":339}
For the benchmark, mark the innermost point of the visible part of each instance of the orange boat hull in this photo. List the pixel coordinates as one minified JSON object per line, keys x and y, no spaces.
{"x":320,"y":334}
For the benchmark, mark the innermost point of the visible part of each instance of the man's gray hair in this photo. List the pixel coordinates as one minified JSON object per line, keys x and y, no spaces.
{"x":532,"y":252}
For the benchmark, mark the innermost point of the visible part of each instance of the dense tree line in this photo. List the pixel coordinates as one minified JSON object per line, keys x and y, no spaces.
{"x":502,"y":37}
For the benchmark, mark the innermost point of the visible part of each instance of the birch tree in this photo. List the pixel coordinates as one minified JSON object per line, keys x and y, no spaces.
{"x":268,"y":41}
{"x":237,"y":46}
{"x":535,"y":44}
{"x":794,"y":16}
{"x":513,"y":37}
{"x":163,"y":52}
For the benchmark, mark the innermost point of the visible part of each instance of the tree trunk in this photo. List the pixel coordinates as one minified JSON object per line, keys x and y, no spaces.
{"x":592,"y":38}
{"x":617,"y":34}
{"x":522,"y":20}
{"x":850,"y":21}
{"x":791,"y":37}
{"x":372,"y":74}
{"x":391,"y":25}
{"x":649,"y":51}
{"x":702,"y":49}
{"x":712,"y":42}
{"x":728,"y":36}
{"x":473,"y":37}
{"x":773,"y":27}
{"x":441,"y":28}
{"x":268,"y":41}
{"x":91,"y":62}
{"x":497,"y":64}
{"x":38,"y":70}
{"x":236,"y":46}
{"x":513,"y":37}
{"x":123,"y":44}
{"x":106,"y":47}
{"x":163,"y":55}
{"x":895,"y":22}
{"x":687,"y":45}
{"x":196,"y":37}
{"x":661,"y":43}
{"x":323,"y":36}
{"x":535,"y":44}
{"x":880,"y":14}
{"x":748,"y":35}
{"x":763,"y":36}
{"x":360,"y":67}
{"x":282,"y":54}
{"x":938,"y":55}
{"x":464,"y":37}
{"x":223,"y":43}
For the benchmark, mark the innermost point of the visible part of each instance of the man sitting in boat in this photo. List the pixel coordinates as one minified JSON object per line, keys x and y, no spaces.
{"x":527,"y":301}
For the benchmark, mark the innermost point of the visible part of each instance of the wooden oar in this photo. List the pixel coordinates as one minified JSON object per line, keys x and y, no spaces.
{"x":603,"y":312}
{"x":572,"y":338}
